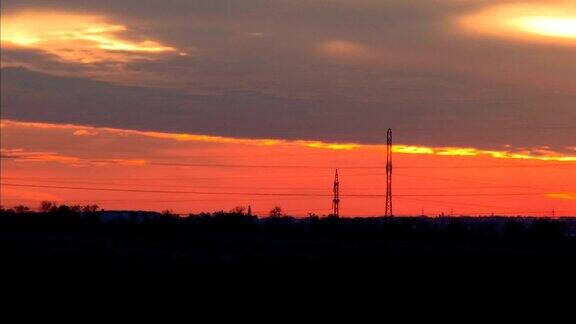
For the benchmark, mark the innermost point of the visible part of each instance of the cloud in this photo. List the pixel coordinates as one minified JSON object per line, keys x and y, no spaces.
{"x":345,"y":50}
{"x":22,"y":155}
{"x":26,"y":156}
{"x":8,"y":125}
{"x":332,"y":71}
{"x":75,"y":37}
{"x":553,"y":22}
{"x":562,"y":195}
{"x":85,"y":132}
{"x":40,"y":97}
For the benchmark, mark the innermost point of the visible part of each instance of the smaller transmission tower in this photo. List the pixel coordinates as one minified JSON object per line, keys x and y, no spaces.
{"x":388,"y":212}
{"x":336,"y":200}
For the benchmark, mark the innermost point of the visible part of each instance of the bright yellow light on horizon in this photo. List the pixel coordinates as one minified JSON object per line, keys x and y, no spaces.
{"x":547,"y":26}
{"x":526,"y":21}
{"x":74,"y":37}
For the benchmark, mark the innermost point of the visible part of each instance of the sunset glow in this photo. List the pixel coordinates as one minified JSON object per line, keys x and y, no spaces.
{"x":344,"y":50}
{"x":74,"y":37}
{"x":546,"y":26}
{"x":188,"y":172}
{"x":207,"y":105}
{"x":79,"y":130}
{"x":526,"y":21}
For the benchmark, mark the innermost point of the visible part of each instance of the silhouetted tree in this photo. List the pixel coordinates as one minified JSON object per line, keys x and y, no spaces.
{"x":238,"y":210}
{"x":90,"y":208}
{"x":6,"y":210}
{"x":276,"y":212}
{"x":77,"y":209}
{"x":63,"y":210}
{"x":48,"y":206}
{"x":21,"y":209}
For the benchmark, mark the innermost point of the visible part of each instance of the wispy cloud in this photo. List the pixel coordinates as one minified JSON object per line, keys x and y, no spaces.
{"x":21,"y":155}
{"x":85,"y":132}
{"x":562,"y":195}
{"x":76,"y":37}
{"x":536,"y":154}
{"x":345,"y":50}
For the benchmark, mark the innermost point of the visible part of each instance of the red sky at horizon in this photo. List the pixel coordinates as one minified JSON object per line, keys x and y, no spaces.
{"x":189,"y":174}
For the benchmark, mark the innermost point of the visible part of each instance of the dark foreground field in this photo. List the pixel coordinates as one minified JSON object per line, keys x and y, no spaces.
{"x":168,"y":247}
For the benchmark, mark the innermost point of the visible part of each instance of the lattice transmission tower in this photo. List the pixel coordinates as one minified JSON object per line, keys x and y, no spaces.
{"x":389,"y":212}
{"x":336,"y":200}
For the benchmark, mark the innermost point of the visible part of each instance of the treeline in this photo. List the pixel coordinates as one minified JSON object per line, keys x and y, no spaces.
{"x":50,"y":207}
{"x":240,"y":220}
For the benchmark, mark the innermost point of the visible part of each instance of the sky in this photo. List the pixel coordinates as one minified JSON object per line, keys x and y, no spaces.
{"x":202,"y":105}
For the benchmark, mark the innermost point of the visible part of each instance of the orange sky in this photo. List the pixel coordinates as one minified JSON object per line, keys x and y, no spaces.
{"x":201,"y":173}
{"x":480,"y":95}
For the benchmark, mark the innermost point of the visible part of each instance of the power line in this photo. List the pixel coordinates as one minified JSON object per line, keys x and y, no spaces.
{"x":268,"y":193}
{"x":455,"y":203}
{"x":149,"y":200}
{"x":141,"y":184}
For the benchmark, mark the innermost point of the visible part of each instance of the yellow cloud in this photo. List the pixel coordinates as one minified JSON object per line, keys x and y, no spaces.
{"x":329,"y":146}
{"x":452,"y":151}
{"x":345,"y":50}
{"x":32,"y":156}
{"x":407,"y":149}
{"x":562,"y":195}
{"x":85,"y":132}
{"x":75,"y":37}
{"x":548,"y":22}
{"x":538,"y":154}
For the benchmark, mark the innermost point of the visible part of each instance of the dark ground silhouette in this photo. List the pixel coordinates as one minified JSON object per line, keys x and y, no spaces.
{"x":84,"y":240}
{"x":76,"y":254}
